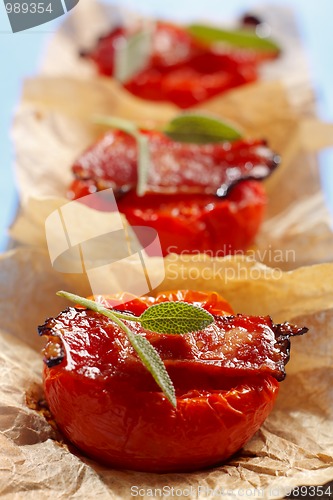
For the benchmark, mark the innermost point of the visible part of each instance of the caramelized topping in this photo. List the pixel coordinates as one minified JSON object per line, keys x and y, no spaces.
{"x":233,"y":346}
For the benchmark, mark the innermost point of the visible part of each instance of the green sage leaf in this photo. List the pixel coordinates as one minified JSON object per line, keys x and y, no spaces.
{"x":201,"y":129}
{"x":175,"y":318}
{"x":133,"y":54}
{"x":115,"y":122}
{"x":154,"y":364}
{"x":146,"y":352}
{"x":142,"y":144}
{"x":243,"y":38}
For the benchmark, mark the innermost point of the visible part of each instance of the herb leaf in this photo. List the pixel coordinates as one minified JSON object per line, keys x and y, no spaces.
{"x":95,"y":306}
{"x":146,"y":352}
{"x":201,"y":129}
{"x":142,"y":144}
{"x":133,"y":54}
{"x":240,"y":38}
{"x":143,"y":162}
{"x":115,"y":122}
{"x":165,"y":317}
{"x":154,"y":364}
{"x":175,"y":318}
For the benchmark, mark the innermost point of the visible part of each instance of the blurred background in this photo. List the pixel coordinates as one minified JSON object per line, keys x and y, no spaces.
{"x":21,"y":53}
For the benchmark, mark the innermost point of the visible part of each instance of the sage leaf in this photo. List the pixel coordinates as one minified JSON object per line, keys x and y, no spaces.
{"x":175,"y":318}
{"x":115,"y":122}
{"x":146,"y":352}
{"x":242,"y":38}
{"x":142,"y":145}
{"x":154,"y":364}
{"x":165,"y":317}
{"x":201,"y":129}
{"x":133,"y":54}
{"x":95,"y":306}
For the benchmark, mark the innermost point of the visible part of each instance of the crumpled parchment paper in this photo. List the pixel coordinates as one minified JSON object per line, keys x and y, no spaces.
{"x":293,"y":447}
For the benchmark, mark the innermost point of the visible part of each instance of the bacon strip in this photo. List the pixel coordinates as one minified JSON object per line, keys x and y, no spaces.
{"x":233,"y":346}
{"x":174,"y":166}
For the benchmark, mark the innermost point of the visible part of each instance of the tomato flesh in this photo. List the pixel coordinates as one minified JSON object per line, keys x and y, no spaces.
{"x":108,"y":405}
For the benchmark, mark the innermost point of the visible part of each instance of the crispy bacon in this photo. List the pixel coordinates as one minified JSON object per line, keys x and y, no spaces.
{"x":233,"y":347}
{"x":174,"y":166}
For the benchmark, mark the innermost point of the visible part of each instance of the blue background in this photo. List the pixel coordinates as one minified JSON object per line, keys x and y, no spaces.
{"x":20,"y":54}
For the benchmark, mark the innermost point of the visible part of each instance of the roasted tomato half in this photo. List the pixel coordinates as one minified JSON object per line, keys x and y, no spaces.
{"x":108,"y":405}
{"x":199,"y":198}
{"x":181,"y":69}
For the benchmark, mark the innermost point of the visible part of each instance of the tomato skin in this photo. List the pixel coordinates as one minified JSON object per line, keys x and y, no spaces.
{"x":192,"y":223}
{"x":203,"y":223}
{"x":141,"y":431}
{"x":127,"y":423}
{"x":206,"y":224}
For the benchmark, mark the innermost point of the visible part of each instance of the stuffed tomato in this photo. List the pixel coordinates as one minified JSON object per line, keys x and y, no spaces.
{"x":206,"y":198}
{"x":185,"y":66}
{"x":104,"y":400}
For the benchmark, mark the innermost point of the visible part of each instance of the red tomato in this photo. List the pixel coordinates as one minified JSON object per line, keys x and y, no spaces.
{"x":181,"y":69}
{"x":200,"y":223}
{"x":180,"y":202}
{"x":108,"y":405}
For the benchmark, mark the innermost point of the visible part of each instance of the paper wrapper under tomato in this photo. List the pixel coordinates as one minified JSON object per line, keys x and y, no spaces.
{"x":293,"y":446}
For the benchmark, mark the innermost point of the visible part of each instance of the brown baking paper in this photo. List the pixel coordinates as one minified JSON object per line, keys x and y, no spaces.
{"x":54,"y":124}
{"x":293,"y":447}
